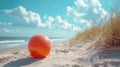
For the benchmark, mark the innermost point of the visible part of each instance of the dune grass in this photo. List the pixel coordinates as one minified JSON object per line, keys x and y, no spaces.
{"x":105,"y":34}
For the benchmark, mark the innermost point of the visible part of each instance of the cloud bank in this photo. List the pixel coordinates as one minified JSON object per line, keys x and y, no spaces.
{"x":24,"y":17}
{"x":83,"y":13}
{"x":30,"y":18}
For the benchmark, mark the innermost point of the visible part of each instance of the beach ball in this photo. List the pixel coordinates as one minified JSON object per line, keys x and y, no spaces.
{"x":39,"y":46}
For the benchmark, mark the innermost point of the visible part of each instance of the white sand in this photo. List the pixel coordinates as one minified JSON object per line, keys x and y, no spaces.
{"x":61,"y":56}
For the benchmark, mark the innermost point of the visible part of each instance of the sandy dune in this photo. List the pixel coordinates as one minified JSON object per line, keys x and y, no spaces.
{"x":60,"y":56}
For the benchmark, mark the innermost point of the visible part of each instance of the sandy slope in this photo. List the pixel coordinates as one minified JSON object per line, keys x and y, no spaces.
{"x":60,"y":56}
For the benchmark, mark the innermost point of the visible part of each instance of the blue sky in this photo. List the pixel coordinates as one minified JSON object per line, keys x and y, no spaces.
{"x":54,"y":18}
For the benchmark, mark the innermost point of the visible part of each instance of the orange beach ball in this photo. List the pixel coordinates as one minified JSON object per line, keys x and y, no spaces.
{"x":39,"y":46}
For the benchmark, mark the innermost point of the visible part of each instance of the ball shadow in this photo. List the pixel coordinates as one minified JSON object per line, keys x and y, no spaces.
{"x":21,"y":62}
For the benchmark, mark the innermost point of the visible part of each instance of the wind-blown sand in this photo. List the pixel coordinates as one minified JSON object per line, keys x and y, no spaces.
{"x":62,"y":56}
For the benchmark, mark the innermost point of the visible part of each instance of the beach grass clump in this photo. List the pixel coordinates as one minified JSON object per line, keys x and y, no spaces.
{"x":105,"y":34}
{"x":111,"y":32}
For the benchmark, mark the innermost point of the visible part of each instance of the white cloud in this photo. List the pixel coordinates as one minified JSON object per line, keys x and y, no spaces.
{"x":10,"y":30}
{"x":49,"y":21}
{"x":95,"y":11}
{"x":80,"y":3}
{"x":69,"y":9}
{"x":64,"y":24}
{"x":96,"y":3}
{"x":24,"y":17}
{"x":83,"y":21}
{"x":86,"y":23}
{"x":67,"y":25}
{"x":77,"y":14}
{"x":6,"y":30}
{"x":59,"y":19}
{"x":98,"y":8}
{"x":59,"y":23}
{"x":5,"y":23}
{"x":87,"y":10}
